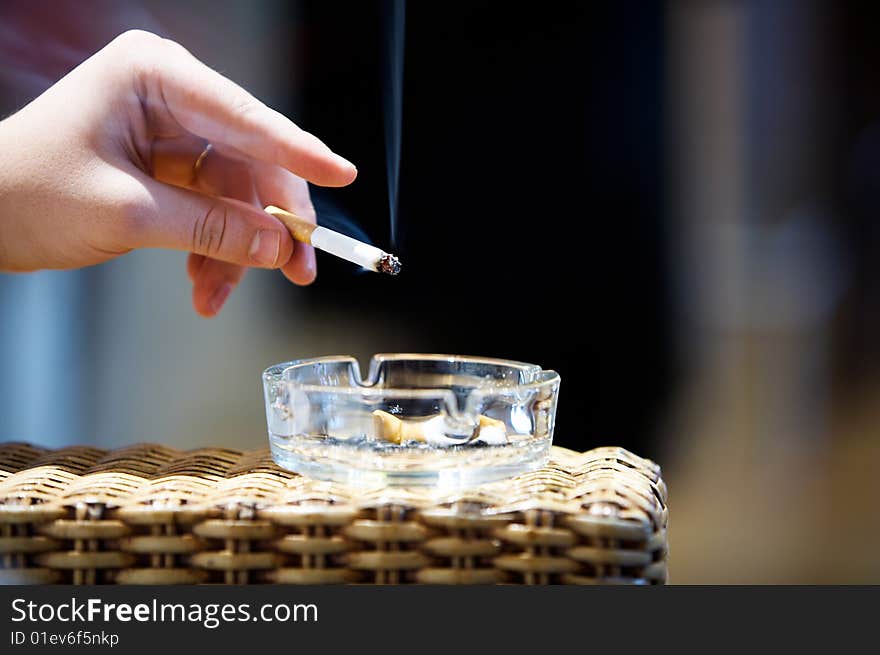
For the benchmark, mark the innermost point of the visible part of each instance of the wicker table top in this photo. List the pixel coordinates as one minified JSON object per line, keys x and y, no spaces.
{"x":151,"y":514}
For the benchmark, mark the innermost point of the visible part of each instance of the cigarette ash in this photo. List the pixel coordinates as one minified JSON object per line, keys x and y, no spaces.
{"x":389,"y":264}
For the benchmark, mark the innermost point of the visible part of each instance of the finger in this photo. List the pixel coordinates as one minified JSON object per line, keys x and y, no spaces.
{"x":211,"y":106}
{"x":212,"y":286}
{"x":214,"y":170}
{"x":220,"y":228}
{"x":187,"y":161}
{"x":282,"y":188}
{"x":173,"y":159}
{"x":193,"y":265}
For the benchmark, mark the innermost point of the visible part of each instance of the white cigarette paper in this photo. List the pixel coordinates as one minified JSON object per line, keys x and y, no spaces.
{"x":347,"y":248}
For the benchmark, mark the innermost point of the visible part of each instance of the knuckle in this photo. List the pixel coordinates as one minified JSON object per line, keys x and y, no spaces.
{"x":137,"y":38}
{"x":136,"y":50}
{"x":209,"y":230}
{"x":248,"y":108}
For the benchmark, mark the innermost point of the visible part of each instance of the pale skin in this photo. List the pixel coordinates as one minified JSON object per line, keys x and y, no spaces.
{"x":105,"y":162}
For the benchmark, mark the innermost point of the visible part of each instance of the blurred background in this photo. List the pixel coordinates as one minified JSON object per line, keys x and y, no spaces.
{"x":676,"y":205}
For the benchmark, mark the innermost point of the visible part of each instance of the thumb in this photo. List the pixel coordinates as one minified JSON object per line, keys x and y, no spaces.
{"x":220,"y":228}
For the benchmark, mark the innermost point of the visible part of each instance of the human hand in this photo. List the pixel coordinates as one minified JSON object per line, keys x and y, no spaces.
{"x":143,"y":146}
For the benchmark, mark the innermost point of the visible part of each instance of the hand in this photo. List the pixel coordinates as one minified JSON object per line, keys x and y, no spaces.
{"x":143,"y":146}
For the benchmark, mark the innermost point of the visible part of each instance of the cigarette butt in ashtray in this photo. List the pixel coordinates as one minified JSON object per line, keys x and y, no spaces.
{"x":433,"y":430}
{"x":342,"y":246}
{"x":491,"y":431}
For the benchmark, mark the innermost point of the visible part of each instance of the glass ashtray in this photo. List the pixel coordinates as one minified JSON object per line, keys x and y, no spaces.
{"x":441,"y":420}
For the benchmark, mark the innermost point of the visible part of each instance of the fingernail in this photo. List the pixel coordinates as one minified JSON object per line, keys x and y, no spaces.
{"x":344,"y":163}
{"x":264,"y":248}
{"x":219,"y":298}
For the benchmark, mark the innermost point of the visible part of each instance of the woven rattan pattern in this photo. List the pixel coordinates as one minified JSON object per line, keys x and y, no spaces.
{"x":150,"y":514}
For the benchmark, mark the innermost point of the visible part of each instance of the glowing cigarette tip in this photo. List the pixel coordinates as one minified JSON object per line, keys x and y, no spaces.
{"x":388,"y":264}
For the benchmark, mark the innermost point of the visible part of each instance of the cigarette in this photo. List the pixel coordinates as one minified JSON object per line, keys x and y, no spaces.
{"x":433,"y":430}
{"x":337,"y":244}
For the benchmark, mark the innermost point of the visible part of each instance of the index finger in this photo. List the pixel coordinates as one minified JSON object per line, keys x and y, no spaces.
{"x":215,"y":108}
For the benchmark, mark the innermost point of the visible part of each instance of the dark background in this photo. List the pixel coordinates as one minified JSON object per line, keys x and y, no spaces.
{"x":530,"y":193}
